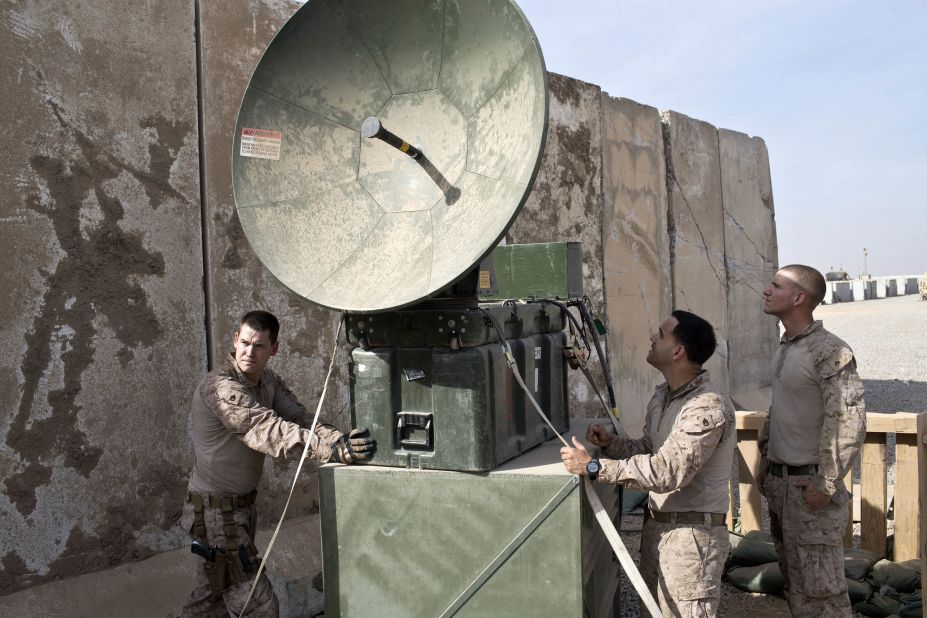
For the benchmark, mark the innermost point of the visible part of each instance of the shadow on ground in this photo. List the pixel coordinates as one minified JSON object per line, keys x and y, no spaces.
{"x":895,"y":396}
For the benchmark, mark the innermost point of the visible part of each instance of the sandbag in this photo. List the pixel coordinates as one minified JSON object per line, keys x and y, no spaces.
{"x":755,"y":548}
{"x":911,"y":605}
{"x":764,"y":578}
{"x":857,"y":590}
{"x":878,"y":606}
{"x":902,"y":576}
{"x":857,"y":563}
{"x":631,"y":499}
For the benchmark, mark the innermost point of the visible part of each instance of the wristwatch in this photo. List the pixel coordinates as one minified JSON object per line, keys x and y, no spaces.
{"x":592,"y":469}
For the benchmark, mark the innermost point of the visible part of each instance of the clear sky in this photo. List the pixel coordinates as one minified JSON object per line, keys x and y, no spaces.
{"x":837,"y":89}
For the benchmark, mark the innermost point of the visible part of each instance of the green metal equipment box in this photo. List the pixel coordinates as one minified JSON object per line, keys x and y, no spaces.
{"x":536,"y":270}
{"x":437,"y":408}
{"x":518,"y":541}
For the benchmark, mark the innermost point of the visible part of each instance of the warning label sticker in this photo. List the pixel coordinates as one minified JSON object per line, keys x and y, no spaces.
{"x":260,"y":143}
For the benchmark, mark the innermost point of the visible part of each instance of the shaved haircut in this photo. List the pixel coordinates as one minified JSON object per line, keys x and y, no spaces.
{"x":810,"y":280}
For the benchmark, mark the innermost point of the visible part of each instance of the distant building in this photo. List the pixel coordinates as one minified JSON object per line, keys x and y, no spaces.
{"x":842,"y":289}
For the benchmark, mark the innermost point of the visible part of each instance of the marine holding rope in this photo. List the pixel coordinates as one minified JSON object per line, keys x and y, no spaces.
{"x":684,"y":460}
{"x":241,"y":413}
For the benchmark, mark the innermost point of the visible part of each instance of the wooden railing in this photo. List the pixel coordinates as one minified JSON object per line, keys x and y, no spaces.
{"x":910,"y":493}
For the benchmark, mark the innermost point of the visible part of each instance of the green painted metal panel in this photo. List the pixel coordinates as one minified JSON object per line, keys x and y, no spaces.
{"x":541,"y":270}
{"x":400,"y":542}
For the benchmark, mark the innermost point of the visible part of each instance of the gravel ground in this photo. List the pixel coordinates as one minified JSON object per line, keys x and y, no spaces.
{"x":887,"y":337}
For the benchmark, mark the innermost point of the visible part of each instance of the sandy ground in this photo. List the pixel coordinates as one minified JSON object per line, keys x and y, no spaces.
{"x":887,"y":337}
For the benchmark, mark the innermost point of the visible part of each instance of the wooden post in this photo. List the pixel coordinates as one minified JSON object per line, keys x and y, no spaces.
{"x":848,"y":533}
{"x":751,"y":506}
{"x":748,"y":463}
{"x":874,"y":483}
{"x":922,"y":493}
{"x":906,"y":488}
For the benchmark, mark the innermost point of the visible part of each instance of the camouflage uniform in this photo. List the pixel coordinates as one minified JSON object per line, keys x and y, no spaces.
{"x":814,"y":431}
{"x":684,"y":460}
{"x":235,"y":425}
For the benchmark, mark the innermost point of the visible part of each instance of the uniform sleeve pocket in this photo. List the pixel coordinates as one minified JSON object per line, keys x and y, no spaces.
{"x":234,"y":407}
{"x":701,"y":421}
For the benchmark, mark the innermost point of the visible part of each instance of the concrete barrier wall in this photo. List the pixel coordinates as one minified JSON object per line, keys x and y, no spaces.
{"x":565,"y":204}
{"x":102,"y":337}
{"x":635,"y":249}
{"x":123,"y":293}
{"x":697,"y":228}
{"x":751,"y":256}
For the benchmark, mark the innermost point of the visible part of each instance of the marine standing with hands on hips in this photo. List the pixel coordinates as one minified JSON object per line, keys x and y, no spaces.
{"x":684,"y":460}
{"x":813,"y":433}
{"x":241,"y":413}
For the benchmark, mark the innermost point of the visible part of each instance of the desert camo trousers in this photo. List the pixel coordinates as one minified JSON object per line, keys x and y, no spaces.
{"x":809,"y":545}
{"x":201,"y":602}
{"x":682,"y":565}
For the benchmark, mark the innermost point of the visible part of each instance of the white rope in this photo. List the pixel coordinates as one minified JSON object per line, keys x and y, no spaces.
{"x":608,"y":527}
{"x":601,"y":515}
{"x":302,"y":459}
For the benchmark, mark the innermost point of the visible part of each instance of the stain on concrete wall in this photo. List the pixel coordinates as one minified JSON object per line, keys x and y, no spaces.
{"x":697,"y":228}
{"x":565,"y":204}
{"x":635,"y":249}
{"x":103,"y":330}
{"x":751,"y":254}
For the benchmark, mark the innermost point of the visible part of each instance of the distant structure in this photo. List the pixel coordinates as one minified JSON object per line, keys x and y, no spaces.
{"x":842,"y":289}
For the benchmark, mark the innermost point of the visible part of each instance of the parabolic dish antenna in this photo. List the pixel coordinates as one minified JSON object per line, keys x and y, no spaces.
{"x":354,"y":223}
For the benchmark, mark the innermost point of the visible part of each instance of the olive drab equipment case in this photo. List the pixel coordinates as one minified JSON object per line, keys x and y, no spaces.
{"x":438,"y":408}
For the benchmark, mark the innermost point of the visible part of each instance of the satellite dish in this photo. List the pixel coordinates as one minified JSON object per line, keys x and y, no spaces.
{"x":364,"y":224}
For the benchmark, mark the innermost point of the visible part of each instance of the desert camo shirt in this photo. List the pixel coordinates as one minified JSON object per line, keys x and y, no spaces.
{"x":237,"y":423}
{"x":686,"y":454}
{"x":818,"y":414}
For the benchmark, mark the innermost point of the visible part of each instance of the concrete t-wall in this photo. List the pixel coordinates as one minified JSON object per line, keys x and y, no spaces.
{"x":123,"y":293}
{"x":102,"y":337}
{"x":635,"y":248}
{"x":751,"y":258}
{"x":565,"y":204}
{"x":697,"y":228}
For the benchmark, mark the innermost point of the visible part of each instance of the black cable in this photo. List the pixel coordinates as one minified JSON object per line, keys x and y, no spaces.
{"x":590,"y":320}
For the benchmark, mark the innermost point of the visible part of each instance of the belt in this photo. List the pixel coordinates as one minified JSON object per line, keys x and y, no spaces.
{"x":778,"y":469}
{"x":215,"y":500}
{"x":689,"y":517}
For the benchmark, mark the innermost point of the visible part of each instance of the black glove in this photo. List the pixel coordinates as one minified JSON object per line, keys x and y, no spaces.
{"x":355,"y":446}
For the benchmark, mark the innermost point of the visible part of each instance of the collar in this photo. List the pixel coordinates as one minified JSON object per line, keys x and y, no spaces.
{"x":239,"y":375}
{"x":815,"y":325}
{"x":688,"y":387}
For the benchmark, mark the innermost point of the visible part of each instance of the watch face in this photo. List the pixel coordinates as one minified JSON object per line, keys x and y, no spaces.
{"x":593,"y":466}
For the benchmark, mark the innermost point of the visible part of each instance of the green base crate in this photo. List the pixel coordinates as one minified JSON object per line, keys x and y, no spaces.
{"x":436,"y":408}
{"x":404,"y":542}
